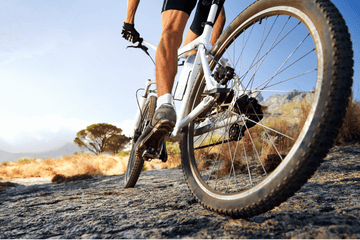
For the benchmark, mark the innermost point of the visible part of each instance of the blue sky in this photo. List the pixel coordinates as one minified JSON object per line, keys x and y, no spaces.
{"x":64,"y":66}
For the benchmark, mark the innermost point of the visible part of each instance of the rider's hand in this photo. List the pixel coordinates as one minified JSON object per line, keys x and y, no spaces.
{"x":129,"y":33}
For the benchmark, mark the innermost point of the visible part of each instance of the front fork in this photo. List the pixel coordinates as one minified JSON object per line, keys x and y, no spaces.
{"x":142,"y":103}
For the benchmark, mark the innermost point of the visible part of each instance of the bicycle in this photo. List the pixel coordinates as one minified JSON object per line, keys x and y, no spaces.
{"x":238,"y":157}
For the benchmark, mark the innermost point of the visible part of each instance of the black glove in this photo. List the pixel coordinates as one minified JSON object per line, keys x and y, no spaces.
{"x":129,"y":33}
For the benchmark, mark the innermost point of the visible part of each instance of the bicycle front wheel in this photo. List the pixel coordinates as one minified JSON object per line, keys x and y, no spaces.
{"x":135,"y":163}
{"x":243,"y":156}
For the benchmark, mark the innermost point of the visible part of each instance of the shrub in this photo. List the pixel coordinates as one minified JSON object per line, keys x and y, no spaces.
{"x":232,"y":159}
{"x":59,"y":178}
{"x":4,"y":185}
{"x":204,"y":159}
{"x":174,"y":157}
{"x":172,"y":148}
{"x":4,"y":164}
{"x":272,"y":161}
{"x":123,"y":153}
{"x":25,"y":160}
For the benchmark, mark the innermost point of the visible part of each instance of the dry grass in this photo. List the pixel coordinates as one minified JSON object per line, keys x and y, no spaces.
{"x":229,"y":152}
{"x":204,"y":158}
{"x":350,"y":129}
{"x":77,"y":167}
{"x":67,"y":166}
{"x":269,"y":156}
{"x":265,"y":144}
{"x":268,"y":144}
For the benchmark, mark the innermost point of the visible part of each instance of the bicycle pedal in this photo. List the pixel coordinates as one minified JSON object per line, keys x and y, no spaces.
{"x":150,"y":154}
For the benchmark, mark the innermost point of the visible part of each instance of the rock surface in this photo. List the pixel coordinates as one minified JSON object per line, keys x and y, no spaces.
{"x":276,"y":101}
{"x":161,"y":206}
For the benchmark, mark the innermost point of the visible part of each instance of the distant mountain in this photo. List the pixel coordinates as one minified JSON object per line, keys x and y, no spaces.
{"x":276,"y":101}
{"x":67,"y":149}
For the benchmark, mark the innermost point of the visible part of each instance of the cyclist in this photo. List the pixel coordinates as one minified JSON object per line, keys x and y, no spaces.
{"x":174,"y":16}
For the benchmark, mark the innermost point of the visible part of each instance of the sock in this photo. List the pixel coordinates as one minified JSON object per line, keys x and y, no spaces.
{"x":164,"y":99}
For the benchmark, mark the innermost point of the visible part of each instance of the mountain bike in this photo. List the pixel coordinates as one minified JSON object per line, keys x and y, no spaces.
{"x":240,"y":157}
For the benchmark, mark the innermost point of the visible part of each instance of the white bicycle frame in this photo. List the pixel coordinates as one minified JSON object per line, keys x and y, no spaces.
{"x":202,"y":44}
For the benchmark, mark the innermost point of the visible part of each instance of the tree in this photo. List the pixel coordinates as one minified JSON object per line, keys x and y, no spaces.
{"x":98,"y":137}
{"x":117,"y":143}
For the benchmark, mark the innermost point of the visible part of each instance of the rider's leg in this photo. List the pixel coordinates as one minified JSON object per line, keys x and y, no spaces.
{"x":217,"y":30}
{"x":218,"y":27}
{"x":173,"y":22}
{"x":164,"y":119}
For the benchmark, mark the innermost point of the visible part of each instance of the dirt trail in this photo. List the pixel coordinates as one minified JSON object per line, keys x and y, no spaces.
{"x":161,"y":206}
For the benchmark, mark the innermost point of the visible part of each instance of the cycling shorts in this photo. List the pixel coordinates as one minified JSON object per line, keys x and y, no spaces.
{"x":201,"y":14}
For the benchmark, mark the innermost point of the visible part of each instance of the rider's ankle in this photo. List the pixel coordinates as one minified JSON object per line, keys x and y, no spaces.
{"x":165,"y":99}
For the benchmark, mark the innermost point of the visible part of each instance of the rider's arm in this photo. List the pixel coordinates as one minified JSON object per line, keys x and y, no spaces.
{"x":129,"y":32}
{"x":131,"y":10}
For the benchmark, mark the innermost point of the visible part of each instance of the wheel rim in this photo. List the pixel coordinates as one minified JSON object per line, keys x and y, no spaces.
{"x":234,"y":176}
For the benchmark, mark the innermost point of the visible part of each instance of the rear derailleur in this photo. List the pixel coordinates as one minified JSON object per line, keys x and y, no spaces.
{"x":244,"y":105}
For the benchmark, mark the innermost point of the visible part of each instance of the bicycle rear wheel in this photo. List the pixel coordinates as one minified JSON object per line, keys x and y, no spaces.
{"x":135,"y":164}
{"x":242,"y":158}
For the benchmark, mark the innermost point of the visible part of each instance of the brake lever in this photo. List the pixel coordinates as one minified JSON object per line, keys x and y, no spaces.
{"x":141,"y":46}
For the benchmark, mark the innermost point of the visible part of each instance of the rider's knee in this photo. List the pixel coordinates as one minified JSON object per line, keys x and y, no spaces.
{"x":172,"y":35}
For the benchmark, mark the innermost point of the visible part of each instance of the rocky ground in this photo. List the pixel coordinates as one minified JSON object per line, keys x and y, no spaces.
{"x":161,"y":206}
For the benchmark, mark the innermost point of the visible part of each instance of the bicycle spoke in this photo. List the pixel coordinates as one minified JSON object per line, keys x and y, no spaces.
{"x":270,"y":49}
{"x":256,"y":151}
{"x":278,"y":71}
{"x":241,"y":55}
{"x":296,"y":61}
{"x":254,"y":146}
{"x":249,"y":153}
{"x":247,"y":163}
{"x":288,"y":79}
{"x":261,"y":46}
{"x":278,"y":91}
{"x":226,"y":167}
{"x":232,"y":159}
{"x":218,"y":169}
{"x":269,"y":137}
{"x":235,"y":64}
{"x":271,"y":129}
{"x":218,"y":160}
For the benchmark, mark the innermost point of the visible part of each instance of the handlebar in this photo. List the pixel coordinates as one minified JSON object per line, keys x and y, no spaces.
{"x":149,"y":44}
{"x":142,"y":46}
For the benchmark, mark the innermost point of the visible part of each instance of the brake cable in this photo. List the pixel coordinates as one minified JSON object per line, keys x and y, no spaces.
{"x":142,"y":47}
